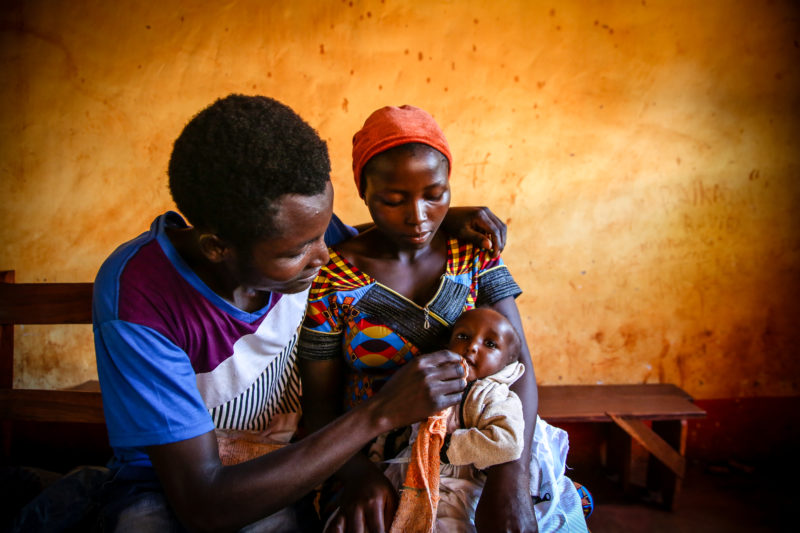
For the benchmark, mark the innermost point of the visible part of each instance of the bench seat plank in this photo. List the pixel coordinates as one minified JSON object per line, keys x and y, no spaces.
{"x":592,"y":403}
{"x":51,"y":405}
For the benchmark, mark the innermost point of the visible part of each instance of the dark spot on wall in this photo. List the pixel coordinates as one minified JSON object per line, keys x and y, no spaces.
{"x":678,"y":160}
{"x":552,"y":12}
{"x":427,"y":80}
{"x":380,"y":87}
{"x":181,"y":18}
{"x":540,"y":84}
{"x":754,"y":175}
{"x":598,"y":337}
{"x":516,"y":79}
{"x":558,"y":28}
{"x":344,"y":105}
{"x":419,"y":56}
{"x":322,"y":49}
{"x":572,"y":155}
{"x":269,"y":74}
{"x":147,"y":27}
{"x":474,"y":48}
{"x":445,"y":89}
{"x":453,"y":65}
{"x":406,"y":51}
{"x":254,"y":86}
{"x":596,"y":22}
{"x":369,"y":14}
{"x":778,"y":76}
{"x":475,"y":21}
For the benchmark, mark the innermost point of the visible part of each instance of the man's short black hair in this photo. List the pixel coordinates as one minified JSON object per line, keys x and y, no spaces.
{"x":235,"y":158}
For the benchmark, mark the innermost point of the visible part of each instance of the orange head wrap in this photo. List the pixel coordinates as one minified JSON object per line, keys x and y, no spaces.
{"x":392,"y":126}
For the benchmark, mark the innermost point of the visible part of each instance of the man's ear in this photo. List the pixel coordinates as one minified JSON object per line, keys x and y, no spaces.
{"x":214,"y":248}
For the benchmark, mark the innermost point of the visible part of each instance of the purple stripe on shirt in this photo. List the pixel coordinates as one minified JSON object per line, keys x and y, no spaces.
{"x":153,"y":293}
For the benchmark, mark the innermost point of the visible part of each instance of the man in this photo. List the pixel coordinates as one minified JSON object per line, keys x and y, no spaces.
{"x":195,"y":327}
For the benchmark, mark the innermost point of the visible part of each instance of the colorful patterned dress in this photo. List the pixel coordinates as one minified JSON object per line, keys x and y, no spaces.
{"x":377,"y":330}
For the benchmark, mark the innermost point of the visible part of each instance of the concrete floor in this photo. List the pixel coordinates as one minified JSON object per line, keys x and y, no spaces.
{"x":727,"y":497}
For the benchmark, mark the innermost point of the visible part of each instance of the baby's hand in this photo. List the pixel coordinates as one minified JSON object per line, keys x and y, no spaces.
{"x":452,"y":419}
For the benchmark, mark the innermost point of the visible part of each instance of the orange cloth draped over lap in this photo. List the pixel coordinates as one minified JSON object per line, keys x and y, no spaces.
{"x":419,"y":496}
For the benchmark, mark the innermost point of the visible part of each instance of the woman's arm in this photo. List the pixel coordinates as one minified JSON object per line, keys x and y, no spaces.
{"x":506,"y":503}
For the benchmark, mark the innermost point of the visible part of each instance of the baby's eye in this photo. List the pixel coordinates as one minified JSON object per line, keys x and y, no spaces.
{"x":491,"y":344}
{"x":461,"y":336}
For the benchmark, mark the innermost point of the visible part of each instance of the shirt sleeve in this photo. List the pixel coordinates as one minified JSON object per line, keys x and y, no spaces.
{"x":150,"y":393}
{"x":494,"y":280}
{"x":494,"y":432}
{"x":321,"y":332}
{"x":338,"y":231}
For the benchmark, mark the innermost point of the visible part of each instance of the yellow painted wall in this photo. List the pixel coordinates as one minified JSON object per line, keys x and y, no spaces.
{"x":645,"y":155}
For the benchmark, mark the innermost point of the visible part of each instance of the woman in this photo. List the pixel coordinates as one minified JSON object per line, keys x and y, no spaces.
{"x":391,"y":294}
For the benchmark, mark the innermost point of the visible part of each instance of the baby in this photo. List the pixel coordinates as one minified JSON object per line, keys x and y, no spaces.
{"x":485,"y":429}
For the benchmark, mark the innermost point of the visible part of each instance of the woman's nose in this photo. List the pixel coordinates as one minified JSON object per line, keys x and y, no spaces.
{"x":417,"y":212}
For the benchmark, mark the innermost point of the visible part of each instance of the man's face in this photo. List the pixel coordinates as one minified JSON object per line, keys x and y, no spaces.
{"x":289,"y":261}
{"x":486,"y":341}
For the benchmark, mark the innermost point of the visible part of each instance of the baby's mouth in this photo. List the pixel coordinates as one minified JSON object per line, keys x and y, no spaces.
{"x":465,"y":365}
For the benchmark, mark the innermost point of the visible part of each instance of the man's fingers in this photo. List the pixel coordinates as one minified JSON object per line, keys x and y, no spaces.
{"x":440,"y":358}
{"x":375,"y":519}
{"x":356,"y":522}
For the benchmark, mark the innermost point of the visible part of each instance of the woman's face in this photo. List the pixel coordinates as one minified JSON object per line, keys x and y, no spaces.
{"x":407,"y":191}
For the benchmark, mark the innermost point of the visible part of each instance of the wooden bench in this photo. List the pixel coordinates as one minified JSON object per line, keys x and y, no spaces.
{"x":627,"y":408}
{"x":42,"y":303}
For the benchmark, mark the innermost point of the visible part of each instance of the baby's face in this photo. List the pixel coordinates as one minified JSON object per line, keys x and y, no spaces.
{"x":485,"y":339}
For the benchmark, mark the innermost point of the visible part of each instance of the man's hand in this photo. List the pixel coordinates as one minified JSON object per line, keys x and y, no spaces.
{"x":477,"y":225}
{"x":506,"y":503}
{"x":367,"y":504}
{"x":424,"y":386}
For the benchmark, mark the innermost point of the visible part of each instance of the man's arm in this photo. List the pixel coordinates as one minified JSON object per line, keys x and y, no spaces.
{"x":505,"y":503}
{"x":207,"y":496}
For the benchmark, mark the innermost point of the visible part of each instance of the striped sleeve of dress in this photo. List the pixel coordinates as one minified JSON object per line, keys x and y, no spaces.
{"x":494,"y":280}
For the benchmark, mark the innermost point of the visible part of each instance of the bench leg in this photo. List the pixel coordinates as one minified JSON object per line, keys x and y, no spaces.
{"x":666,"y":442}
{"x":659,"y":477}
{"x":618,"y":449}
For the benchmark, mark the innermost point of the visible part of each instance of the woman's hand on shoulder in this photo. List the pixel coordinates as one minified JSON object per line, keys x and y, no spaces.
{"x":477,"y":225}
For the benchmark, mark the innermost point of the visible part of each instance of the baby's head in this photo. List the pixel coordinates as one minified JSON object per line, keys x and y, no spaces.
{"x":486,"y":340}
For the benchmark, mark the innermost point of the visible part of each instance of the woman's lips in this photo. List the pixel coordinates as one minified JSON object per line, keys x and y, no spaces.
{"x":418,"y":237}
